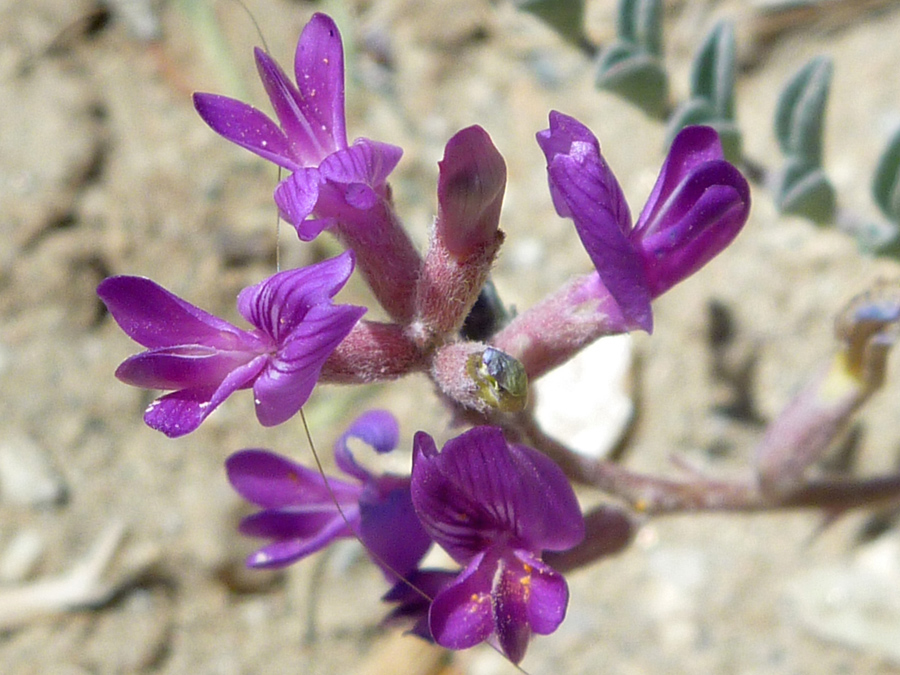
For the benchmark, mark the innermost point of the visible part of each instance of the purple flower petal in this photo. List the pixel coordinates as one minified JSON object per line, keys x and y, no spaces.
{"x":246,"y":126}
{"x":272,"y":481}
{"x":180,"y":367}
{"x":471,"y":184}
{"x":308,"y":142}
{"x":365,"y":162}
{"x":278,"y":305}
{"x":376,"y":428}
{"x":287,"y":383}
{"x":549,"y":595}
{"x":153,"y":317}
{"x":391,"y":531}
{"x":181,"y":412}
{"x":584,"y":188}
{"x":565,"y":133}
{"x":299,"y":522}
{"x":296,"y":197}
{"x":285,"y":551}
{"x":510,"y":596}
{"x":319,"y":69}
{"x":479,"y":490}
{"x":692,"y":147}
{"x":461,"y":615}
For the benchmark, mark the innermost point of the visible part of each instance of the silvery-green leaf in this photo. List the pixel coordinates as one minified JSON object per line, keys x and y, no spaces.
{"x":638,"y":78}
{"x":640,"y":22}
{"x":804,"y":190}
{"x":712,"y":72}
{"x":886,"y":182}
{"x":800,"y":115}
{"x":566,"y":17}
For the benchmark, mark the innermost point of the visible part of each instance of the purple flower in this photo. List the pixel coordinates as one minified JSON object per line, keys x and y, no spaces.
{"x":302,"y":514}
{"x":699,"y":204}
{"x":495,"y":507}
{"x":204,"y":359}
{"x":330,"y":178}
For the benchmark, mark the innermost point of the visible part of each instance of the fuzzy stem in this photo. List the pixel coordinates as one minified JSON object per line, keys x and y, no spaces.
{"x":553,"y":331}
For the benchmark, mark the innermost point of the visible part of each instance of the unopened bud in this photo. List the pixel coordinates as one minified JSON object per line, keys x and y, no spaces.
{"x":471,"y":184}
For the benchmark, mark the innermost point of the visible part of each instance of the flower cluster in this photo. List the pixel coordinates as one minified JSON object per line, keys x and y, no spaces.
{"x":496,"y":507}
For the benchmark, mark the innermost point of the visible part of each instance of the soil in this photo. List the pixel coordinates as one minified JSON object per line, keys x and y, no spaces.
{"x":105,"y":168}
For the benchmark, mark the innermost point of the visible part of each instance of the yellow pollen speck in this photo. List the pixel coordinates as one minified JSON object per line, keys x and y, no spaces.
{"x":641,"y":505}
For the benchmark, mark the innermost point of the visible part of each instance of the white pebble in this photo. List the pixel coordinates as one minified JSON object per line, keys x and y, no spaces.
{"x":27,"y":477}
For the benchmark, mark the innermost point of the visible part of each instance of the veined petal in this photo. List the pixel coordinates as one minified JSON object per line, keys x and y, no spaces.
{"x":702,"y":220}
{"x":460,"y":616}
{"x":153,"y":317}
{"x":278,"y":305}
{"x":319,"y":69}
{"x":272,"y":481}
{"x":246,"y":126}
{"x":182,"y":367}
{"x":692,"y":147}
{"x":584,"y":188}
{"x":377,"y":429}
{"x":366,"y":161}
{"x":289,"y":380}
{"x":479,"y":490}
{"x":309,"y":143}
{"x":181,"y":412}
{"x":296,"y":197}
{"x":565,"y":133}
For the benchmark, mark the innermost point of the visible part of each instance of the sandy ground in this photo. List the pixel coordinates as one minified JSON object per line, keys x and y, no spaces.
{"x":106,"y":169}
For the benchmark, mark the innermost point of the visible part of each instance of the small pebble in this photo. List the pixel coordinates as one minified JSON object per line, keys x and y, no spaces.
{"x":27,"y":477}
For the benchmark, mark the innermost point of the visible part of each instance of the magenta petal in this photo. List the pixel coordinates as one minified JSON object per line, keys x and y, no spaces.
{"x":510,"y":608}
{"x":377,"y":429}
{"x":153,"y":317}
{"x":584,"y":188}
{"x":296,"y":197}
{"x":272,"y":481}
{"x":298,"y":522}
{"x":367,"y":162}
{"x":289,"y":380}
{"x":278,"y":305}
{"x":286,"y":551}
{"x":471,"y":184}
{"x":549,"y":596}
{"x":391,"y":531}
{"x":181,"y":412}
{"x":460,"y":616}
{"x":319,"y":69}
{"x":479,"y":490}
{"x":246,"y":126}
{"x":712,"y":222}
{"x":308,"y":142}
{"x":692,"y":147}
{"x":187,"y":366}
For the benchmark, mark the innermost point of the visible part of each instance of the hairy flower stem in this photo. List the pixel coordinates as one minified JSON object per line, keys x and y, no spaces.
{"x":374,"y":352}
{"x":553,"y":331}
{"x":387,"y":258}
